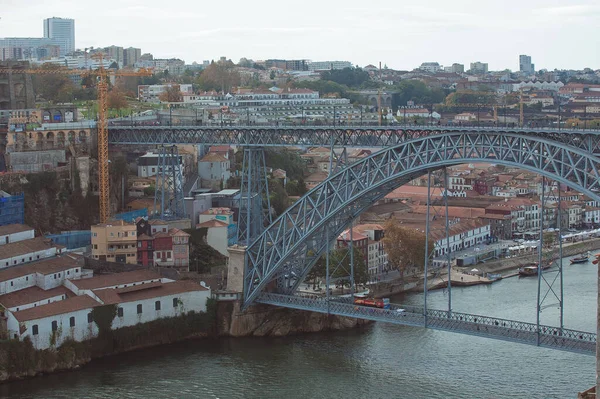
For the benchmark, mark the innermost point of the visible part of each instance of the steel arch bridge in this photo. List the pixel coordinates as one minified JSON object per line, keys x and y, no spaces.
{"x":281,"y":257}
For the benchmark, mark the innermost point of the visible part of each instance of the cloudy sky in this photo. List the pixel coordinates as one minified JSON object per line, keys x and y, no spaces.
{"x":402,"y":34}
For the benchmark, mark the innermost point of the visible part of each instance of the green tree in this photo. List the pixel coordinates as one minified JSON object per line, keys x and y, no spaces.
{"x":53,"y":87}
{"x":278,"y":197}
{"x":272,"y":75}
{"x":352,"y":77}
{"x":405,"y":247}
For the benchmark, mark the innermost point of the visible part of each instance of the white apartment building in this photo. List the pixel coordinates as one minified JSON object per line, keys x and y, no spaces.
{"x":148,"y":165}
{"x":463,"y":234}
{"x":50,"y":315}
{"x":328,"y":65}
{"x":214,"y":170}
{"x":62,"y":31}
{"x":151,"y":93}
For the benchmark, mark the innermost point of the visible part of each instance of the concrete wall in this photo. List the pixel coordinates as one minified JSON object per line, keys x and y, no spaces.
{"x":15,"y":237}
{"x":82,"y":330}
{"x":35,"y":161}
{"x":83,"y":166}
{"x":216,"y":237}
{"x":185,"y":302}
{"x":235,"y":269}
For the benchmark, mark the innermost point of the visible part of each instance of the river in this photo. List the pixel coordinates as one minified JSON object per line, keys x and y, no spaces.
{"x":375,"y":362}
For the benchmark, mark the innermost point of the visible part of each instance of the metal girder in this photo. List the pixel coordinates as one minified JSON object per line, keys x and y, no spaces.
{"x":464,"y":323}
{"x":341,"y":136}
{"x":255,"y":205}
{"x":283,"y":247}
{"x":169,"y":184}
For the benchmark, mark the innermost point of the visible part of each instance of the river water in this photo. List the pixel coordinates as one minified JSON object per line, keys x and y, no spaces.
{"x":375,"y":362}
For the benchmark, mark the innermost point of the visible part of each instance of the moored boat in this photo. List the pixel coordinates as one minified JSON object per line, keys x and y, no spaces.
{"x":580,"y":259}
{"x":531,"y":269}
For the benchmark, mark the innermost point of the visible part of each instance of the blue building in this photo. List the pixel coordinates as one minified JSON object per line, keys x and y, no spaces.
{"x":12,"y":208}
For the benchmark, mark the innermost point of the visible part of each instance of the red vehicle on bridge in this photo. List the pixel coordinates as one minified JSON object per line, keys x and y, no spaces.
{"x":383,"y":303}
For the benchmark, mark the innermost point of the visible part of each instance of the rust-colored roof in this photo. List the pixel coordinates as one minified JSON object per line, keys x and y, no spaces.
{"x":33,"y":294}
{"x":145,"y":237}
{"x":178,"y":232}
{"x":55,"y":308}
{"x":13,"y":229}
{"x":219,"y":148}
{"x":45,"y":267}
{"x":213,"y":157}
{"x":112,"y":296}
{"x":211,"y":223}
{"x":110,"y":280}
{"x":24,"y":247}
{"x":454,"y":211}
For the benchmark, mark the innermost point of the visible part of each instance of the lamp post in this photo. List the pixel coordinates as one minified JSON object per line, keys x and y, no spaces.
{"x":170,"y":114}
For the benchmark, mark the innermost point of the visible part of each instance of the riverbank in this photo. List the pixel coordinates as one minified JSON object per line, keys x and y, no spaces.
{"x":507,"y":267}
{"x":20,"y":360}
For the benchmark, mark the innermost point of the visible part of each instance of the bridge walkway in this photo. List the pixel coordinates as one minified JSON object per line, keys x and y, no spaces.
{"x":464,"y":323}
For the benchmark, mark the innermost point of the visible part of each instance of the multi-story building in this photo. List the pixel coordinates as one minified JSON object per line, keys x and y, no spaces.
{"x":479,"y":68}
{"x":525,"y":65}
{"x":317,"y":66}
{"x":377,"y":257}
{"x":163,"y":250}
{"x":214,"y":171}
{"x":455,"y":68}
{"x":359,"y":241}
{"x":16,"y":88}
{"x":28,"y":48}
{"x":151,"y":93}
{"x":432,"y":67}
{"x":181,"y":248}
{"x":62,"y":31}
{"x":145,"y":250}
{"x":115,"y":242}
{"x":131,"y":55}
{"x":148,"y":165}
{"x":116,"y":53}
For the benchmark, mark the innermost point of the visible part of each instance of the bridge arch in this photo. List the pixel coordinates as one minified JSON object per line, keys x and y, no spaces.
{"x":291,"y":244}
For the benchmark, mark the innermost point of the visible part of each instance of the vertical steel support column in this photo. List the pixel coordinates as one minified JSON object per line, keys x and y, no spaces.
{"x":351,"y":249}
{"x":254,"y":196}
{"x":560,"y":261}
{"x":540,"y":259}
{"x":448,"y":257}
{"x":169,"y":180}
{"x":426,"y":267}
{"x":327,"y":267}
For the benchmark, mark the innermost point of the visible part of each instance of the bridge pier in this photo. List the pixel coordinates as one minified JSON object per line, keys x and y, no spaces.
{"x":236,"y":268}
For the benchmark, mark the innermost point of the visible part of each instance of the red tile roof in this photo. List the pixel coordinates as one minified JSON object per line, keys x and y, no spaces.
{"x":45,"y":267}
{"x":13,"y":228}
{"x":33,"y":294}
{"x":55,"y":308}
{"x":211,"y":223}
{"x":213,"y":157}
{"x":111,"y":280}
{"x":113,"y":296}
{"x":24,"y":247}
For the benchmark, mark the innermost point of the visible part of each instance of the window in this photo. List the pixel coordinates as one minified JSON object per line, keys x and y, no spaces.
{"x":54,"y":325}
{"x":175,"y":302}
{"x":55,"y":276}
{"x":120,"y":312}
{"x":27,"y":278}
{"x":90,"y":318}
{"x":72,"y":321}
{"x":139,"y":309}
{"x":157,"y":305}
{"x":11,"y":284}
{"x":139,"y":244}
{"x":34,"y":329}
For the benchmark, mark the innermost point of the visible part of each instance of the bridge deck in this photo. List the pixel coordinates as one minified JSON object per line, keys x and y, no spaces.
{"x":483,"y":326}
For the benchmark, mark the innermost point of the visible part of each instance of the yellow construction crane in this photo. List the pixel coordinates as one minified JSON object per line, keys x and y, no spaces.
{"x":102,"y":75}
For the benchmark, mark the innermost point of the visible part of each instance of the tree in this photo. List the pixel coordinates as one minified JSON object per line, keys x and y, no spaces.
{"x":278,"y":197}
{"x":218,"y":76}
{"x":171,"y":95}
{"x":405,"y":247}
{"x":272,"y":75}
{"x":116,"y":99}
{"x":53,"y":87}
{"x":341,"y":256}
{"x":352,"y":77}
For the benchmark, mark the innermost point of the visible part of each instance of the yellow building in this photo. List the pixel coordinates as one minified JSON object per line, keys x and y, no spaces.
{"x":115,"y":242}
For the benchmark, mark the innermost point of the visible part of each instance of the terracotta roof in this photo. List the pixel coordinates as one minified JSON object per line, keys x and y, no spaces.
{"x":113,"y":296}
{"x":55,"y":308}
{"x":211,"y":223}
{"x":408,"y":191}
{"x":157,"y":222}
{"x":13,"y":228}
{"x":33,"y":294}
{"x":24,"y":247}
{"x":364,"y":227}
{"x":45,"y":267}
{"x":145,"y":237}
{"x":178,"y":232}
{"x":356,"y":236}
{"x":454,"y":211}
{"x":213,"y":157}
{"x":219,"y":148}
{"x":110,"y":280}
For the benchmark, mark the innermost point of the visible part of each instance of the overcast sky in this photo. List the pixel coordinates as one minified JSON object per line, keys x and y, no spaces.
{"x":402,"y":34}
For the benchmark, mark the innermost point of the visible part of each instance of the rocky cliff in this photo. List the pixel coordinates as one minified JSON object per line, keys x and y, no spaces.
{"x":263,"y":320}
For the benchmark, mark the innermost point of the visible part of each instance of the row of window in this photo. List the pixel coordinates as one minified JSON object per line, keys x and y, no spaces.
{"x":22,"y":260}
{"x":12,"y":283}
{"x":90,"y":319}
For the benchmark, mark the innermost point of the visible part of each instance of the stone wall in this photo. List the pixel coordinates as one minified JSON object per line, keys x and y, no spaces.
{"x":35,"y":161}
